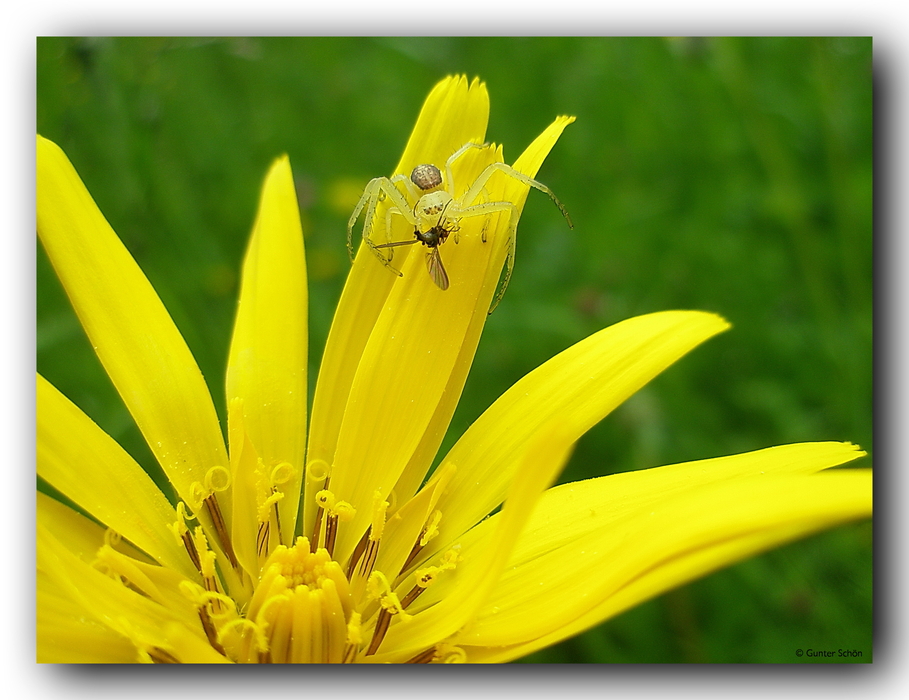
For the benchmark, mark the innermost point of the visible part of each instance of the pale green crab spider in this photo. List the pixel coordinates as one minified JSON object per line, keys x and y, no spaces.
{"x":430,"y":206}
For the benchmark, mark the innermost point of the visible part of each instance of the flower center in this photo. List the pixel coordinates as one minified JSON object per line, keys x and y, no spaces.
{"x":301,"y":604}
{"x":300,"y":610}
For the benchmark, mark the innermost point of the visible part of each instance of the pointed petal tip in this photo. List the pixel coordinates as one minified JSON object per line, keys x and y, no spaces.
{"x":279,"y":166}
{"x":48,"y":149}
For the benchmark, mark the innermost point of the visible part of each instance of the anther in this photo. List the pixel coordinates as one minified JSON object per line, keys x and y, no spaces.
{"x":280,"y":475}
{"x":331,"y":534}
{"x":336,"y":510}
{"x":183,"y":535}
{"x":214,"y":510}
{"x":278,"y":519}
{"x":262,"y":538}
{"x":411,"y":596}
{"x":426,"y":576}
{"x":191,"y":550}
{"x":358,"y":552}
{"x":369,"y":560}
{"x":206,"y":561}
{"x":160,"y":656}
{"x":378,"y":588}
{"x":317,"y":528}
{"x":370,"y":541}
{"x":382,"y":622}
{"x":264,"y":516}
{"x":210,"y":630}
{"x":354,"y":638}
{"x":424,"y":657}
{"x":430,"y":530}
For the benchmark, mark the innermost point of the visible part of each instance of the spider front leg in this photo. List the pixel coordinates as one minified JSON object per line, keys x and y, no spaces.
{"x":480,"y":183}
{"x":485,"y":209}
{"x":372,"y":195}
{"x":389,"y":244}
{"x":453,"y":157}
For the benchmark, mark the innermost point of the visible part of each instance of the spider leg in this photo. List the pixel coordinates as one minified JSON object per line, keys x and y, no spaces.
{"x":485,"y":209}
{"x":370,"y":199}
{"x":453,"y":157}
{"x":509,"y":268}
{"x":370,"y":192}
{"x":506,"y":169}
{"x":388,"y":214}
{"x":387,"y":261}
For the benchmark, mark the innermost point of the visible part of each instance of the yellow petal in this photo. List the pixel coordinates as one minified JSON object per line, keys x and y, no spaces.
{"x":147,"y":624}
{"x":81,"y":536}
{"x":420,"y":346}
{"x":267,"y":362}
{"x":65,"y":634}
{"x":450,"y":603}
{"x":404,"y":528}
{"x":513,"y":190}
{"x":568,"y":511}
{"x":454,"y":113}
{"x":577,"y":388}
{"x":245,"y":522}
{"x":81,"y":461}
{"x":132,"y":333}
{"x":579,"y":563}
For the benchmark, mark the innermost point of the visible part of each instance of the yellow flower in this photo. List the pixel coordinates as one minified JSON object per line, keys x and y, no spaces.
{"x":330,"y":545}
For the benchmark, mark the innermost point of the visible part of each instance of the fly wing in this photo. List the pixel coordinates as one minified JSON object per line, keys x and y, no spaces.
{"x":436,"y":269}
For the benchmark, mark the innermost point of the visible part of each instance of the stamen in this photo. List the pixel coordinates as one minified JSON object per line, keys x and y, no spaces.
{"x":451,"y":654}
{"x":357,"y":553}
{"x":379,"y":508}
{"x":315,"y":466}
{"x":268,"y":506}
{"x":369,"y":561}
{"x":262,"y":538}
{"x":331,"y":533}
{"x":210,"y":603}
{"x":181,"y":531}
{"x":316,"y":530}
{"x":244,"y":640}
{"x":411,"y":596}
{"x":278,"y":520}
{"x":430,"y":530}
{"x":378,"y":588}
{"x":424,"y":657}
{"x":191,"y":550}
{"x":337,"y":510}
{"x":214,"y":510}
{"x":354,"y":638}
{"x":369,"y":543}
{"x":160,"y":656}
{"x":378,"y":635}
{"x":205,"y":555}
{"x":210,"y":630}
{"x":426,"y":576}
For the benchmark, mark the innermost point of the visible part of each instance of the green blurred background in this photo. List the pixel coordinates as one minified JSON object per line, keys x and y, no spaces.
{"x":731,"y":175}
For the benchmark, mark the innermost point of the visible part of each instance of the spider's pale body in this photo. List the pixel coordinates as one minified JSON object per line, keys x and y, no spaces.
{"x":431,"y":207}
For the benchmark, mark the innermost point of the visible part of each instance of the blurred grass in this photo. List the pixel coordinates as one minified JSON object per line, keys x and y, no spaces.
{"x":732,"y":175}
